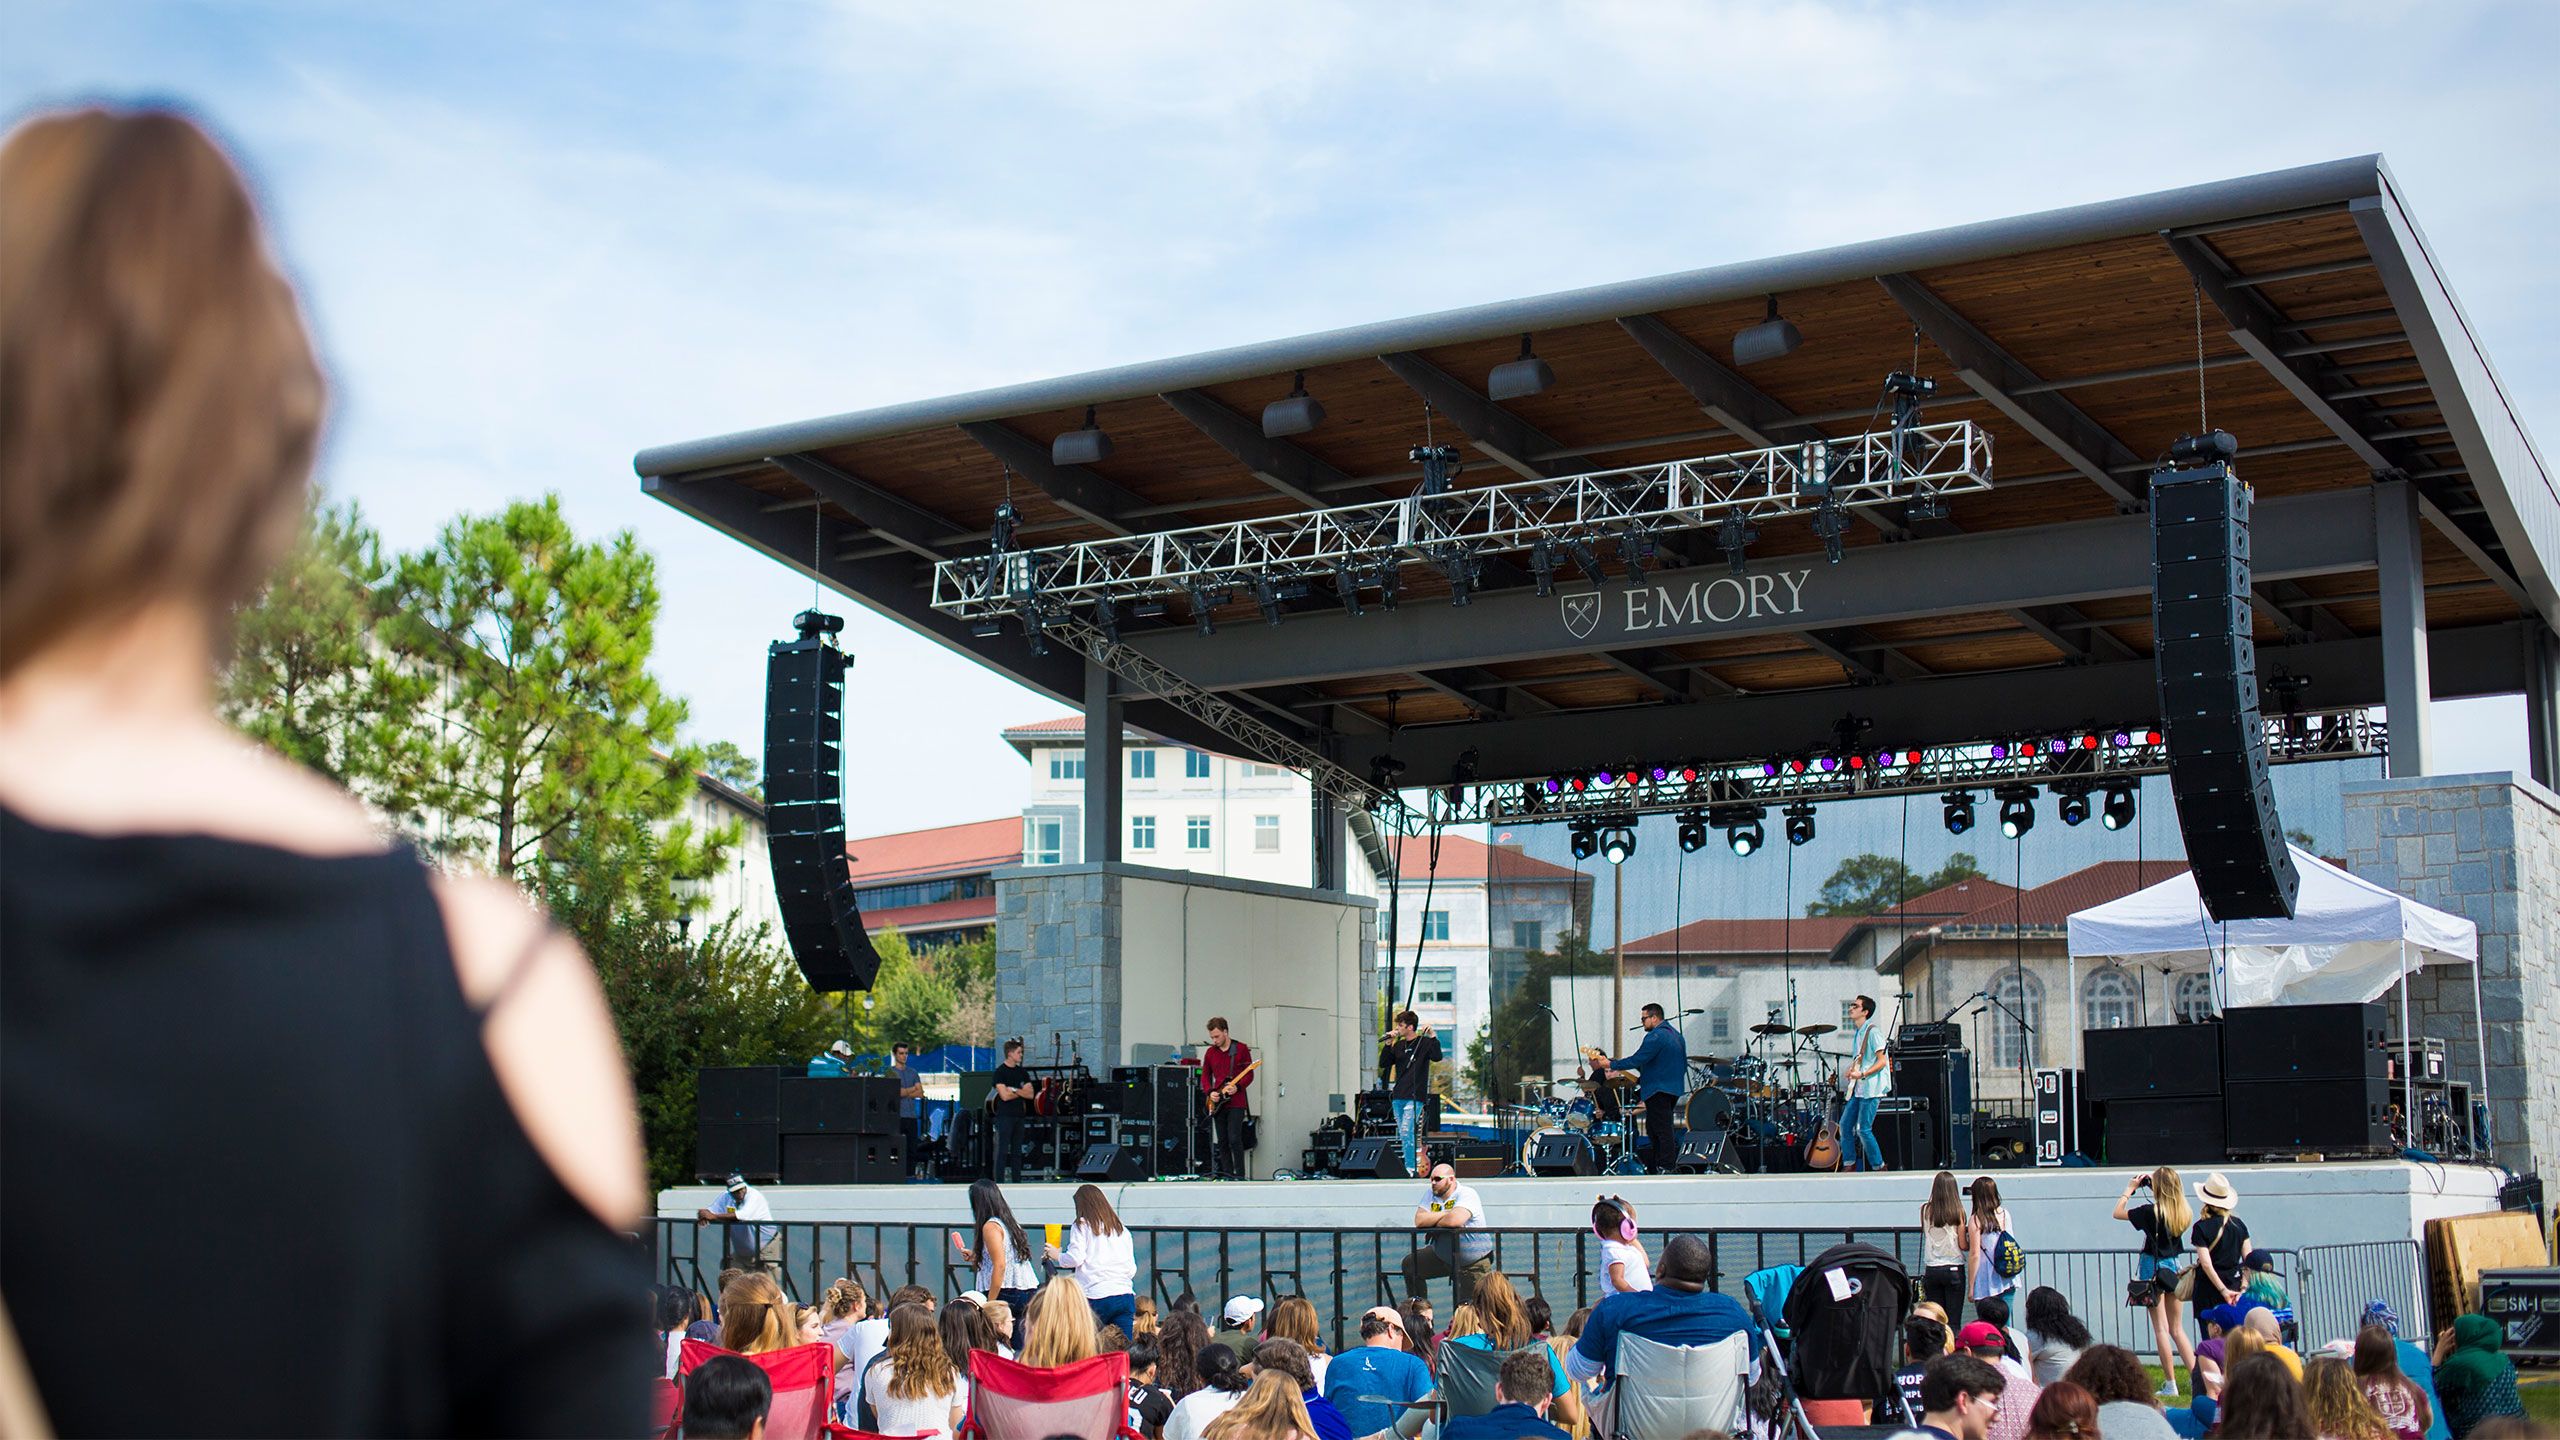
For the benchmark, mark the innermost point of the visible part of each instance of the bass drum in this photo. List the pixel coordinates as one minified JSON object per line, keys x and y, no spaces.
{"x":1706,"y":1109}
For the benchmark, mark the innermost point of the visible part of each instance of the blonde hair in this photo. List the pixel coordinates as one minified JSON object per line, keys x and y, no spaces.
{"x":918,"y":1365}
{"x":2238,"y":1344}
{"x":754,"y":1318}
{"x":1146,"y":1315}
{"x":1466,"y":1320}
{"x":844,"y":1297}
{"x":1506,"y":1320}
{"x":2169,"y":1201}
{"x":1294,"y":1318}
{"x":2339,"y":1409}
{"x":1931,"y":1309}
{"x":159,"y":401}
{"x":1270,"y":1410}
{"x":1061,"y":1325}
{"x":999,"y":1315}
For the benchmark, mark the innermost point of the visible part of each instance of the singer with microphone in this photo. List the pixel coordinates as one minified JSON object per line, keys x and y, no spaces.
{"x":1662,"y":1061}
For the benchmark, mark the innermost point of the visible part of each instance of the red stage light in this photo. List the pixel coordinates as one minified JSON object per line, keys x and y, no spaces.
{"x":1857,"y":762}
{"x":2151,"y":738}
{"x":2088,"y":742}
{"x":1581,"y":784}
{"x":1690,"y":774}
{"x":1915,"y":757}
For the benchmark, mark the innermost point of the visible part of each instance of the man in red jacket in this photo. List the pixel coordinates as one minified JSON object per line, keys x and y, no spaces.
{"x":1224,"y":1082}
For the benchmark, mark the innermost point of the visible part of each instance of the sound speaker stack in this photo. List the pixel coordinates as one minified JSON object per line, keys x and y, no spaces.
{"x":804,"y":807}
{"x":737,"y":1113}
{"x":1562,"y":1152}
{"x":2158,"y":1091}
{"x":842,"y":1158}
{"x":1372,"y":1157}
{"x":1700,"y":1151}
{"x":2308,"y":1079}
{"x":1939,"y":1082}
{"x":1110,"y":1164}
{"x":2208,"y":673}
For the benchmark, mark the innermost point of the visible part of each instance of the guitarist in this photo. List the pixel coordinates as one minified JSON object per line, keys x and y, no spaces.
{"x":1404,"y":1065}
{"x":1867,"y":1079}
{"x":1224,"y":1081}
{"x":1663,"y":1062}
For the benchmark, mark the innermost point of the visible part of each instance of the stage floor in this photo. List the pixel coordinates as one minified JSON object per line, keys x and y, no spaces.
{"x":2286,"y":1206}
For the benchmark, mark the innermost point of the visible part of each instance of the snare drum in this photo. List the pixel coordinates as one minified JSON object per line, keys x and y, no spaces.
{"x":1580,"y":1114}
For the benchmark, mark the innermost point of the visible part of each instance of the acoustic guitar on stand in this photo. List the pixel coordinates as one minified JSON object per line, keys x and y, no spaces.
{"x":1219,"y":1097}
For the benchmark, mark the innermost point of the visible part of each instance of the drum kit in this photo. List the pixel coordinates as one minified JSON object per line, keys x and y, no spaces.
{"x":1771,"y":1100}
{"x":1599,"y":1111}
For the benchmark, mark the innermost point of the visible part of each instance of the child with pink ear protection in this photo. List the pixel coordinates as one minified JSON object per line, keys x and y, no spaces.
{"x":1623,"y":1266}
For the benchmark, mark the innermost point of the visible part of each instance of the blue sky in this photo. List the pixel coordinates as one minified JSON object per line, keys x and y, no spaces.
{"x":537,"y":238}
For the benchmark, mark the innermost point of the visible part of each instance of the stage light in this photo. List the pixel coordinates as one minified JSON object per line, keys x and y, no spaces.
{"x":2121,"y":739}
{"x":2017,"y":809}
{"x":1830,"y":763}
{"x":1799,"y":824}
{"x":1554,"y":785}
{"x":1200,"y":608}
{"x":1796,"y":766}
{"x":1959,"y":811}
{"x":1151,"y":608}
{"x":1916,"y":756}
{"x":2151,"y":737}
{"x":1659,"y":773}
{"x":2072,"y":804}
{"x":1266,"y":594}
{"x":2119,"y":810}
{"x":1542,"y":566}
{"x":1857,"y":762}
{"x":1744,"y":836}
{"x":986,"y":627}
{"x":1618,"y":844}
{"x":1390,"y":576}
{"x":1773,"y":338}
{"x":2061,"y":746}
{"x":1588,"y":558}
{"x":1521,"y":378}
{"x":1580,"y":784}
{"x":1999,"y":750}
{"x":1689,"y":774}
{"x":1088,"y":446}
{"x":1884,"y":759}
{"x":2088,"y":742}
{"x":1106,"y":615}
{"x":1383,"y":772}
{"x":1346,"y":588}
{"x":1768,"y":769}
{"x":1461,"y":570}
{"x":1735,"y":534}
{"x":1462,"y":773}
{"x":1586,"y":841}
{"x":1693,"y":832}
{"x":1293,"y":414}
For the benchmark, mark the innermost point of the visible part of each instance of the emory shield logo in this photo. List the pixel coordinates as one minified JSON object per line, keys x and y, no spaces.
{"x":1581,"y":614}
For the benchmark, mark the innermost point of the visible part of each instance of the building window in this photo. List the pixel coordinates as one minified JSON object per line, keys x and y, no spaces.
{"x":2194,"y":999}
{"x":924,"y":892}
{"x":1847,"y":1020}
{"x":2109,"y":1000}
{"x":1257,"y":771}
{"x":1195,"y":765}
{"x":1266,"y":834}
{"x":1142,"y":832}
{"x":1720,"y":1024}
{"x":1528,"y":935}
{"x":1142,"y":764}
{"x":2010,"y":1046}
{"x":1065,"y":765}
{"x":1048,"y":841}
{"x":1195,"y":832}
{"x":1435,"y":925}
{"x":1435,"y":985}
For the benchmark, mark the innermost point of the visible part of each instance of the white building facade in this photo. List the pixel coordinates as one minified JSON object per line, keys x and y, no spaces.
{"x":1459,"y":931}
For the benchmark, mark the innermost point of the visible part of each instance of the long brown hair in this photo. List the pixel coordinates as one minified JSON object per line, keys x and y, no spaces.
{"x":159,"y":403}
{"x":918,"y":1365}
{"x":2063,"y":1411}
{"x":2377,"y":1362}
{"x":1506,"y":1320}
{"x":1467,"y":1319}
{"x":2262,"y":1401}
{"x":1986,"y":1203}
{"x":1294,"y":1318}
{"x":2338,"y":1408}
{"x":1094,"y":1212}
{"x":1060,"y":1321}
{"x":1946,"y":1205}
{"x":1270,"y":1410}
{"x":1179,"y":1340}
{"x":754,"y":1318}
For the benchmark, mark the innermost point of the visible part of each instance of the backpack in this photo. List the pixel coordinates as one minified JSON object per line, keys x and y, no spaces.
{"x":2009,"y":1258}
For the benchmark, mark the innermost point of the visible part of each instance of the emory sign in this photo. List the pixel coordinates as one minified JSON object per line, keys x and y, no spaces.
{"x":1720,"y":601}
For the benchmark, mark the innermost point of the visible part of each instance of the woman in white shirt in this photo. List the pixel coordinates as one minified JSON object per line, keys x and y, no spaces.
{"x":1623,"y":1266}
{"x":1222,"y":1384}
{"x":1099,"y":1254}
{"x":915,"y":1390}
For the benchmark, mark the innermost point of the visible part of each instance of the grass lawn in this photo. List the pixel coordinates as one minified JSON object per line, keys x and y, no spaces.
{"x":2540,"y":1388}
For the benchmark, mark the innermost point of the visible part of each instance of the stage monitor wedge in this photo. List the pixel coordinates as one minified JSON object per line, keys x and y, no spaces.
{"x":2207,"y":661}
{"x":804,"y":808}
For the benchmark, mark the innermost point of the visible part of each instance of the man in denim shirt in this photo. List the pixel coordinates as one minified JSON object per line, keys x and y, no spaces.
{"x":1663,"y":1062}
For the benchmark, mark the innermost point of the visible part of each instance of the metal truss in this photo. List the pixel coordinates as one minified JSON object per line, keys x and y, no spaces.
{"x":1362,"y":546}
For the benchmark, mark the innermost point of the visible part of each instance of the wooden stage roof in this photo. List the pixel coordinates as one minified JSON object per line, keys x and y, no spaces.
{"x":2332,"y":348}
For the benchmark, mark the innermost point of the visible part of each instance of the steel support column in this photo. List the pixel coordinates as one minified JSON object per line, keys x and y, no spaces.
{"x":1102,"y":729}
{"x":2541,"y":701}
{"x":2396,"y":533}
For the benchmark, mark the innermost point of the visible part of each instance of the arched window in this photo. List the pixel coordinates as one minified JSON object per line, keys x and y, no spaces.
{"x":2009,"y":1045}
{"x":2109,"y":1000}
{"x":2193,"y":1001}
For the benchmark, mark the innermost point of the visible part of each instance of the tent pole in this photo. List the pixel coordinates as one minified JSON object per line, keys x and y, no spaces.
{"x":2480,"y":1031}
{"x":2071,"y":1003}
{"x":2408,"y":1050}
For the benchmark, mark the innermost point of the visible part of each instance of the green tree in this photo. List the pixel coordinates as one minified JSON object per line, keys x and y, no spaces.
{"x":726,"y":763}
{"x":1874,"y":884}
{"x":1518,"y":1040}
{"x":552,"y":729}
{"x":307,"y":677}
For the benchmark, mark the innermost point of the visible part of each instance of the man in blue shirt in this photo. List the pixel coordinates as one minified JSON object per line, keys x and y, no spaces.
{"x":1378,"y":1366}
{"x":1678,"y":1310}
{"x":833,"y":1063}
{"x":1521,"y":1414}
{"x":1663,"y":1062}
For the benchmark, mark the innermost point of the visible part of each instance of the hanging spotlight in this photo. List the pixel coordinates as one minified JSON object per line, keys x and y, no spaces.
{"x":2119,"y":811}
{"x":1200,"y":608}
{"x":1266,"y":595}
{"x":2017,"y":809}
{"x":1106,"y":616}
{"x":1462,"y":773}
{"x":1390,"y":576}
{"x":1735,"y":534}
{"x":1774,"y":338}
{"x":1799,"y":824}
{"x":1521,"y":378}
{"x":1461,"y":570}
{"x":986,"y":627}
{"x":1693,"y":832}
{"x":1088,"y":446}
{"x":1617,"y":844}
{"x":1959,"y":811}
{"x":1633,"y":547}
{"x":2072,"y":804}
{"x":1741,"y":826}
{"x":1383,"y":772}
{"x":1588,"y":558}
{"x":1293,"y":414}
{"x":1151,"y":608}
{"x":1347,"y":589}
{"x":1542,"y":566}
{"x":1586,"y":840}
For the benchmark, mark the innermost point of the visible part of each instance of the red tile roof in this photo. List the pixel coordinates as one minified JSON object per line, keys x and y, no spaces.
{"x":941,"y":915}
{"x":1806,"y":935}
{"x":980,"y":845}
{"x":2048,"y":905}
{"x":1465,"y":859}
{"x":1961,"y":898}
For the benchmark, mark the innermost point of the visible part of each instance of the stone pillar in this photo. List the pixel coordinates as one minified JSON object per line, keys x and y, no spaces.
{"x":2486,"y":847}
{"x":1058,"y":962}
{"x":1102,"y":788}
{"x":2396,"y":533}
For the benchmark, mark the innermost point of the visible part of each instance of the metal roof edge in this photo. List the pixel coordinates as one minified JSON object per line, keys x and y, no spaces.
{"x":2329,"y":182}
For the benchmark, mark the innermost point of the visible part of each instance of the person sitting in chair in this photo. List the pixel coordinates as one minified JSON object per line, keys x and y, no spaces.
{"x":1521,"y":1390}
{"x":1678,"y":1310}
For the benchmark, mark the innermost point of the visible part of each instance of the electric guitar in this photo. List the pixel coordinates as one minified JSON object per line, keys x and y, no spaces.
{"x":1217,"y":1099}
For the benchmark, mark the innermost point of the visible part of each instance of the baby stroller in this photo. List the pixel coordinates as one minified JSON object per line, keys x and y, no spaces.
{"x":1844,"y":1316}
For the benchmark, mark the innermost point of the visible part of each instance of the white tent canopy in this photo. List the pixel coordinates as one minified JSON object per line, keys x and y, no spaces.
{"x":2349,"y":939}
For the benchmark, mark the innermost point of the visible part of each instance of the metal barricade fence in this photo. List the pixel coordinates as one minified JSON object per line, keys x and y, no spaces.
{"x":2094,"y":1281}
{"x":1343,"y":1271}
{"x":2338,"y":1281}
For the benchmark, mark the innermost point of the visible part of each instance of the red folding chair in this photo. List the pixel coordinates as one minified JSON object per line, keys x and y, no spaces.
{"x":666,"y":1403}
{"x":1009,"y":1400}
{"x":804,"y":1384}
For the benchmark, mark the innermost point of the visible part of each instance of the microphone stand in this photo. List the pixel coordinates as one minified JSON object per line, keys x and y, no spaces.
{"x":2026,"y":1042}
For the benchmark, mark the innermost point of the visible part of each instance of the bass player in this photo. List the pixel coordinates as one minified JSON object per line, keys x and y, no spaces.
{"x":1226,"y":1073}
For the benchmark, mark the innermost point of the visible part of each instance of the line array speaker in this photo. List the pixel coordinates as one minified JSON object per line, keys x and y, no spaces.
{"x":2207,"y":663}
{"x":804,"y":807}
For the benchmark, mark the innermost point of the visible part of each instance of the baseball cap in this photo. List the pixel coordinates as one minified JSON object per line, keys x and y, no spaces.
{"x":1241,"y":1309}
{"x":1980,"y":1335}
{"x":841,"y":1048}
{"x":737,"y":1181}
{"x":974,"y":1297}
{"x":2226,"y":1316}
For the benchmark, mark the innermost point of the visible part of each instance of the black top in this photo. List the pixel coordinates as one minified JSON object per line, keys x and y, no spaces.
{"x":2157,"y":1243}
{"x":236,"y":1073}
{"x":1411,"y":1060}
{"x":2222,"y":1236}
{"x":1017,"y":1077}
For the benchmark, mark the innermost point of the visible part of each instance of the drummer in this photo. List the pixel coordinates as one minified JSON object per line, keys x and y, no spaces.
{"x":1663,"y":1062}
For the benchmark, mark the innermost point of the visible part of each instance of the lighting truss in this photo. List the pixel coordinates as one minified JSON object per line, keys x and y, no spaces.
{"x":1458,"y":528}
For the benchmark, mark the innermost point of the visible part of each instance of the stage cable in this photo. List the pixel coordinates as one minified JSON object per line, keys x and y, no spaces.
{"x":1679,"y":951}
{"x":2204,"y":424}
{"x":2018,"y":958}
{"x":1437,"y":824}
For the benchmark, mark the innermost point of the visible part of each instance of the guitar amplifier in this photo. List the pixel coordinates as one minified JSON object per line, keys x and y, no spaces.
{"x":1924,"y":1035}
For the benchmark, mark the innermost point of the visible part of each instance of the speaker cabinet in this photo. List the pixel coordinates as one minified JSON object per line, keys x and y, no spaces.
{"x":2294,"y":1117}
{"x":2208,"y":676}
{"x":2151,"y":1062}
{"x":2179,"y":1130}
{"x":751,"y":1148}
{"x":1562,"y":1152}
{"x":844,"y":1159}
{"x":1700,"y":1151}
{"x":1373,"y":1157}
{"x":1908,"y":1139}
{"x":804,"y":809}
{"x":1112,"y":1164}
{"x":1940,"y":1082}
{"x":2305,"y":1042}
{"x":2002,"y":1142}
{"x":735,"y":1094}
{"x":856,"y":1105}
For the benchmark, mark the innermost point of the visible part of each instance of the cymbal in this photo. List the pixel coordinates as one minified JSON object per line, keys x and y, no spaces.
{"x":1772,"y":1029}
{"x":1710,"y":1060}
{"x":1815,"y":1029}
{"x":1615,"y":1079}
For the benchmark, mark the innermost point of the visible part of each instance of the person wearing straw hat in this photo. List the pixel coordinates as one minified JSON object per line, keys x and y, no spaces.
{"x":2220,"y":1242}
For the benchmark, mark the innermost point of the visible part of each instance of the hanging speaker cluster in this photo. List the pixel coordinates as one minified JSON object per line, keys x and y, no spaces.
{"x":804,"y":806}
{"x":2208,"y":672}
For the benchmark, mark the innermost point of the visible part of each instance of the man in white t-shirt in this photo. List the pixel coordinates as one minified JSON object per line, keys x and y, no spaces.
{"x":744,"y":1244}
{"x":1451,"y":1220}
